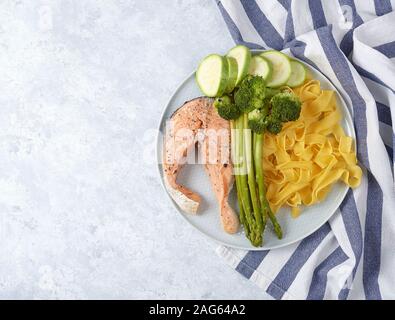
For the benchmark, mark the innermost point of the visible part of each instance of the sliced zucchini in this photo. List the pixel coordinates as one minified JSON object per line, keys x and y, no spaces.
{"x":281,"y":68}
{"x":212,"y":75}
{"x":260,"y":66}
{"x":243,"y":57}
{"x":232,"y":74}
{"x":298,"y":74}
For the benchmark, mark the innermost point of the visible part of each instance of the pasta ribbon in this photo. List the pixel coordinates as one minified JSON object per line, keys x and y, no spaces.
{"x":309,"y":155}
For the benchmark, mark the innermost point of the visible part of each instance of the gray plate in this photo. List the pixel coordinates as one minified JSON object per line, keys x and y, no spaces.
{"x":207,"y":220}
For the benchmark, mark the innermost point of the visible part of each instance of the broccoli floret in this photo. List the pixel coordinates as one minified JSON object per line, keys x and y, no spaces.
{"x":256,"y":121}
{"x":257,"y":118}
{"x":257,"y":84}
{"x":226,"y":108}
{"x":270,"y":92}
{"x":286,"y":106}
{"x":250,"y":94}
{"x":267,"y":108}
{"x":273,"y":124}
{"x":282,"y":107}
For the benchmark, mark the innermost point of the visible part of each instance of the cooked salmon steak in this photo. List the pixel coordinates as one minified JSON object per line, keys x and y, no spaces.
{"x":197,"y":122}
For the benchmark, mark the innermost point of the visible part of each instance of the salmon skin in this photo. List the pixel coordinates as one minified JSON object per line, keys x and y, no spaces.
{"x":197,"y":122}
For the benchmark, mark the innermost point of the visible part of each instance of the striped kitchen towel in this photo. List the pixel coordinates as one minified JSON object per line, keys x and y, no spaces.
{"x":353,"y":43}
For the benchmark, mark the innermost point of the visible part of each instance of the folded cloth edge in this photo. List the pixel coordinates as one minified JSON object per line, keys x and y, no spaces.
{"x":259,"y":278}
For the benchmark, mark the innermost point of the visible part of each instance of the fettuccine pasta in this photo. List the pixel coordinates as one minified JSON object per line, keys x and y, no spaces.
{"x":309,"y":155}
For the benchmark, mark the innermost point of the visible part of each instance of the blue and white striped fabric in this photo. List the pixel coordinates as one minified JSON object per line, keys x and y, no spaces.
{"x":353,"y":43}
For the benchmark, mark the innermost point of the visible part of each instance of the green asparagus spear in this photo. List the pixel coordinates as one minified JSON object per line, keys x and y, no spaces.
{"x":251,"y":175}
{"x":276,"y":225}
{"x":255,"y":234}
{"x":258,"y":154}
{"x":236,"y":168}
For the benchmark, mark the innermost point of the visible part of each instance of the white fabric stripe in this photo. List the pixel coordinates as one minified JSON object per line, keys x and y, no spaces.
{"x":376,"y":149}
{"x":360,"y":196}
{"x":275,"y":13}
{"x":300,"y":286}
{"x":380,"y":93}
{"x":387,"y":266}
{"x":275,"y":260}
{"x":340,"y":232}
{"x":364,"y":37}
{"x":332,"y":11}
{"x":365,"y":9}
{"x":315,"y":53}
{"x":338,"y":227}
{"x":367,"y":33}
{"x":357,"y":291}
{"x":261,"y":280}
{"x":229,"y":255}
{"x":240,"y":18}
{"x":337,"y":279}
{"x":381,"y":66}
{"x":337,"y":224}
{"x":239,"y":253}
{"x":333,"y":14}
{"x":301,"y":15}
{"x":345,"y":270}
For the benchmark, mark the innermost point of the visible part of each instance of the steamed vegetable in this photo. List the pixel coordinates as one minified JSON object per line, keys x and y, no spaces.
{"x":251,"y":175}
{"x":253,"y":231}
{"x":298,"y":74}
{"x":232,"y":74}
{"x":256,"y":119}
{"x":212,"y":75}
{"x":243,"y":57}
{"x":251,"y":94}
{"x":260,"y":66}
{"x":265,"y":109}
{"x":282,"y":107}
{"x":281,"y":68}
{"x":226,"y":108}
{"x":236,"y":165}
{"x":266,"y":210}
{"x":258,"y":156}
{"x":285,"y":106}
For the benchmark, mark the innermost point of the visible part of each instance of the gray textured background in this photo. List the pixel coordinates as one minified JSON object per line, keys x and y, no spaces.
{"x":82,"y":213}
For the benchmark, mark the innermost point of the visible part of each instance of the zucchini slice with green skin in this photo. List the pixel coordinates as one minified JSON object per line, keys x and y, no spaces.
{"x":259,"y":66}
{"x":243,"y":57}
{"x":212,"y":75}
{"x":281,"y":68}
{"x":298,"y":74}
{"x":232,"y":74}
